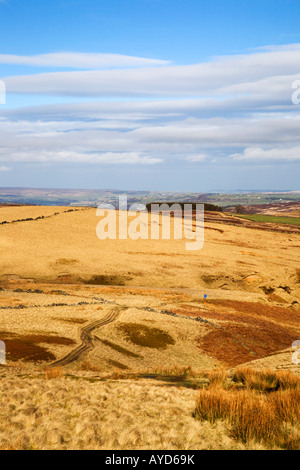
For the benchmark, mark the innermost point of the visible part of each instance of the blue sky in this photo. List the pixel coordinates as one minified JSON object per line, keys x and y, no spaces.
{"x":173,"y":95}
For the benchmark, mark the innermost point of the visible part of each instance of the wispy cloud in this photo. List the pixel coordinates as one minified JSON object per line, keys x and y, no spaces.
{"x":75,"y":156}
{"x":80,"y":60}
{"x":262,"y":72}
{"x":258,"y":154}
{"x":197,"y":158}
{"x":235,"y":110}
{"x":5,"y":168}
{"x":121,"y":140}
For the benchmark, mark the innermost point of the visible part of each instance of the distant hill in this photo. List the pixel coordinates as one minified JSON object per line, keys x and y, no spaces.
{"x":207,"y":207}
{"x":94,"y":197}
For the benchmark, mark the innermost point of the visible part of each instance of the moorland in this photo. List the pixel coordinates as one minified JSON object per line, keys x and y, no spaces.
{"x":140,"y":344}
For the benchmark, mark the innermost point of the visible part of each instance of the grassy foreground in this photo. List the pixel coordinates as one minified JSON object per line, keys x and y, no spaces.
{"x":244,"y":409}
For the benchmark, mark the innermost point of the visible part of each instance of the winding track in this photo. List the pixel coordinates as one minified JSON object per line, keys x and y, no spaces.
{"x":86,"y":338}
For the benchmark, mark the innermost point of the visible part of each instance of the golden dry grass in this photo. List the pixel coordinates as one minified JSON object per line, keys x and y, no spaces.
{"x":266,"y":380}
{"x":104,"y":399}
{"x":115,"y":411}
{"x":265,"y":410}
{"x":11,"y":445}
{"x":25,"y":212}
{"x":65,"y":248}
{"x":83,"y":412}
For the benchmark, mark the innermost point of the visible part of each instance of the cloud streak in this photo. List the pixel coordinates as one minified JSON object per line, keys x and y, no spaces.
{"x":286,"y":154}
{"x":120,"y":140}
{"x":5,"y":168}
{"x":233,"y":110}
{"x":80,"y":60}
{"x":258,"y":73}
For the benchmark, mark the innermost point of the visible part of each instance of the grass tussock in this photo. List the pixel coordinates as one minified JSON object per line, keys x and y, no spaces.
{"x":174,"y":370}
{"x":217,"y":377}
{"x":265,"y":409}
{"x":10,"y":445}
{"x":266,"y":380}
{"x":54,"y":373}
{"x":88,"y":366}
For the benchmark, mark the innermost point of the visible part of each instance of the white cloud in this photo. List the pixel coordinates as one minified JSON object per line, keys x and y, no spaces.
{"x":258,"y":154}
{"x":80,"y":60}
{"x":197,"y":158}
{"x":5,"y":168}
{"x":73,"y":156}
{"x":121,"y":139}
{"x":241,"y":112}
{"x":270,"y":72}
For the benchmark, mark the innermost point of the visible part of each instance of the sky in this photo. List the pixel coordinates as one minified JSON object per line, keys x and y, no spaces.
{"x":156,"y":95}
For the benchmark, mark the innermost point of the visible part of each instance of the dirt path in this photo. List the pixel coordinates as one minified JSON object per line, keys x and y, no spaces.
{"x":87,"y":343}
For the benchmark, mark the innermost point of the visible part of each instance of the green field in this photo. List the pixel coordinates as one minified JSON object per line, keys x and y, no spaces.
{"x":271,"y":218}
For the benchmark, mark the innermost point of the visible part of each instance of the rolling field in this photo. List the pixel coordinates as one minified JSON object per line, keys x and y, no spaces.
{"x":118,"y":332}
{"x":272,"y":218}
